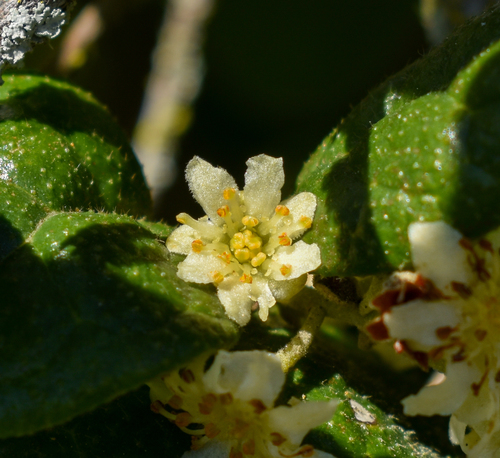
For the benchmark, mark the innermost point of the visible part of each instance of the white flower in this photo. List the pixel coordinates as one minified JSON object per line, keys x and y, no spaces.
{"x":448,"y":313}
{"x":245,"y":245}
{"x":228,"y":409}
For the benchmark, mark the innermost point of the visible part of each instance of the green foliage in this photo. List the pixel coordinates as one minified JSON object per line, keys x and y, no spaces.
{"x":422,"y":147}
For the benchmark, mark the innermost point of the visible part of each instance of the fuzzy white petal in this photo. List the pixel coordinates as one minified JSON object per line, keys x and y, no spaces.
{"x":263,"y":295}
{"x":264,"y":179}
{"x":303,"y":204}
{"x":246,"y":375}
{"x":301,"y":256}
{"x":207,"y":183}
{"x":295,"y":422}
{"x":197,"y":268}
{"x":456,"y":430}
{"x":235,"y":297}
{"x":179,"y":241}
{"x":448,"y":396}
{"x":417,"y":321}
{"x":437,"y":255}
{"x":285,"y":289}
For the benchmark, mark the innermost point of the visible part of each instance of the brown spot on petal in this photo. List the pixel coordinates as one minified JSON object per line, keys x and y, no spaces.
{"x":461,"y":289}
{"x":235,"y":453}
{"x":208,"y":403}
{"x":486,"y":245}
{"x":226,"y":399}
{"x":480,"y":334}
{"x":240,"y":428}
{"x":175,"y":402}
{"x":497,"y":377}
{"x":186,"y":375}
{"x":277,"y":439}
{"x":466,"y":244}
{"x":444,"y":332}
{"x":385,"y":301}
{"x":183,"y":419}
{"x":459,"y":355}
{"x":378,"y":330}
{"x":258,"y":406}
{"x":477,"y":386}
{"x":419,"y":356}
{"x":248,"y":447}
{"x":156,"y":406}
{"x":211,"y":431}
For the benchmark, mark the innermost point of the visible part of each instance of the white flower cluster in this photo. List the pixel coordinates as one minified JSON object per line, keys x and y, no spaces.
{"x":447,"y":313}
{"x":228,"y":409}
{"x":245,"y":245}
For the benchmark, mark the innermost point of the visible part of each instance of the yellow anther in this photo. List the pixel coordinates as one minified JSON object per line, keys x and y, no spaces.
{"x":306,"y":221}
{"x":246,"y":278}
{"x":253,"y":242}
{"x":217,"y":277}
{"x":242,"y":255}
{"x":247,"y":233}
{"x":180,"y":218}
{"x":284,"y":240}
{"x":197,"y":245}
{"x":237,"y":241}
{"x":229,"y":193}
{"x":250,"y":221}
{"x":226,"y":257}
{"x":282,"y":210}
{"x":286,"y":269}
{"x":223,"y":211}
{"x":258,"y":260}
{"x":175,"y":402}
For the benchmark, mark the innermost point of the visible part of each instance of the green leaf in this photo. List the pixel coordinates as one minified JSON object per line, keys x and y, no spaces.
{"x":20,"y":212}
{"x":60,"y":145}
{"x":125,"y":428}
{"x":422,"y":147}
{"x":92,"y":308}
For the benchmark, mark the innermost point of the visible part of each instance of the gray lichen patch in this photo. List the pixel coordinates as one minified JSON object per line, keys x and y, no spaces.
{"x":28,"y":23}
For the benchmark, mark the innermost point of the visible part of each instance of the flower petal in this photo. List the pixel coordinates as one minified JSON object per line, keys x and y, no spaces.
{"x":247,"y":375}
{"x":235,"y":297}
{"x":263,"y":295}
{"x":295,"y":422}
{"x":417,"y":321}
{"x":448,"y":396}
{"x":301,"y":205}
{"x":264,"y":179}
{"x":285,"y":289}
{"x":179,"y":241}
{"x":437,"y":255}
{"x":301,"y":256}
{"x":198,"y":268}
{"x":207,"y":183}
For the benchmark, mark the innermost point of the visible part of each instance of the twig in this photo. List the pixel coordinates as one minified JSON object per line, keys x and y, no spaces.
{"x":297,"y":348}
{"x":173,"y":83}
{"x":24,"y":23}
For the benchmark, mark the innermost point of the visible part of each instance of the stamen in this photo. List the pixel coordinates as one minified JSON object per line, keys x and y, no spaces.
{"x":226,"y":257}
{"x":237,"y":241}
{"x":217,"y":277}
{"x":224,"y":211}
{"x":240,"y":428}
{"x":204,"y":227}
{"x":258,"y":406}
{"x":258,"y":260}
{"x":235,"y":454}
{"x":175,"y":402}
{"x":286,"y":269}
{"x":246,"y":278}
{"x":242,"y":255}
{"x":284,"y":240}
{"x":305,"y":221}
{"x":197,"y":245}
{"x":250,"y":221}
{"x":282,"y":210}
{"x":252,"y":241}
{"x":229,"y":193}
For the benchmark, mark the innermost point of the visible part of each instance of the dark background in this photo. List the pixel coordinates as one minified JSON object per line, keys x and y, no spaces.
{"x":279,"y":74}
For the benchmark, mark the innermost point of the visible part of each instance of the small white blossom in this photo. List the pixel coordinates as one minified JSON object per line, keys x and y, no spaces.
{"x":245,"y":245}
{"x":228,"y":409}
{"x":447,"y":313}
